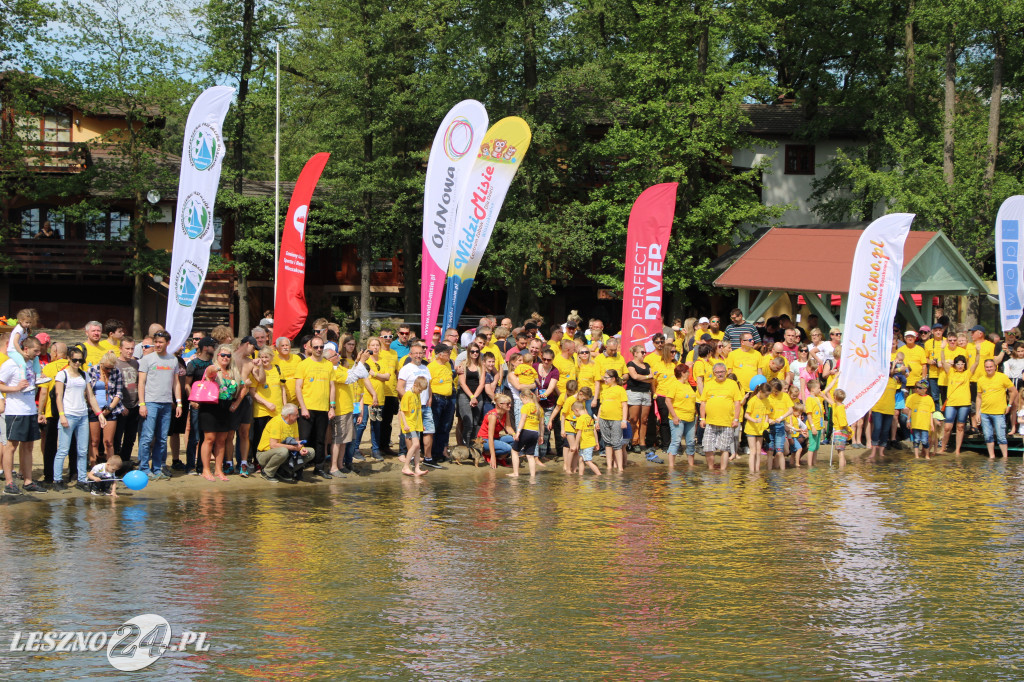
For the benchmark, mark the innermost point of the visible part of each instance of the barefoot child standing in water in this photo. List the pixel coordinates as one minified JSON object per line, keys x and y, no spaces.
{"x":840,"y":427}
{"x":587,"y":437}
{"x":411,"y":416}
{"x":527,"y":433}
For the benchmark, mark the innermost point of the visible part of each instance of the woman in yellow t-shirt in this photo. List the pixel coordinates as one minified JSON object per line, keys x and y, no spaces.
{"x":269,"y":395}
{"x":587,"y":372}
{"x":664,"y":365}
{"x":958,"y":393}
{"x":612,"y":419}
{"x":755,"y":422}
{"x":881,"y":417}
{"x":681,"y":408}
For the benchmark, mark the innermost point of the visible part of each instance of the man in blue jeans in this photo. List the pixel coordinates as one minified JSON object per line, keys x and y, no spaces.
{"x":159,"y":398}
{"x":992,"y":406}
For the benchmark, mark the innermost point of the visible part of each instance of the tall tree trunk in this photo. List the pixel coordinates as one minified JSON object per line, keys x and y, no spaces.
{"x":137,"y":306}
{"x":248,"y":17}
{"x":703,"y":40}
{"x":911,"y":59}
{"x":366,"y":245}
{"x":999,"y":45}
{"x":514,"y":301}
{"x":411,"y":272}
{"x":949,"y":109}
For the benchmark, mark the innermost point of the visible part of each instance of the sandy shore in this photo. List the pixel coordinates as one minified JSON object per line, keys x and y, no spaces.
{"x":370,"y":472}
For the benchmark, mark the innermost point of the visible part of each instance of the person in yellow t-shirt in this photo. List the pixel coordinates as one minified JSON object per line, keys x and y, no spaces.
{"x":267,"y":387}
{"x":919,"y":409}
{"x":389,"y":363}
{"x":681,"y":404}
{"x":882,"y":417}
{"x":814,"y":407}
{"x":610,"y":359}
{"x":587,"y":371}
{"x":915,"y":356}
{"x":527,"y":433}
{"x":720,"y":406}
{"x":313,"y":382}
{"x":986,"y":350}
{"x":586,"y":429}
{"x":613,"y":419}
{"x":563,"y":414}
{"x":744,"y":362}
{"x":288,"y":362}
{"x":958,"y":390}
{"x":782,"y":407}
{"x":755,"y":424}
{"x":411,"y":419}
{"x":272,"y":451}
{"x":991,"y":407}
{"x":840,"y":425}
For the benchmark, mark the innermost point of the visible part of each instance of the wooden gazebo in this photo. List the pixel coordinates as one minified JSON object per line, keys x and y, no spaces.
{"x":816,"y":264}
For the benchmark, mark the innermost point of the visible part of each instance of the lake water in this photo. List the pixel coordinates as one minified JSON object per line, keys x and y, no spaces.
{"x":909,"y":569}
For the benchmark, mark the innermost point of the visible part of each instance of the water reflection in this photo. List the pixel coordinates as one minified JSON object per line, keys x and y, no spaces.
{"x":896,"y":570}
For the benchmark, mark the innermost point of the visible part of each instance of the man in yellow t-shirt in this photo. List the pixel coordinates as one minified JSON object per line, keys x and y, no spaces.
{"x":720,"y":406}
{"x":313,"y":391}
{"x":932,"y":347}
{"x":442,"y":406}
{"x":987,"y":351}
{"x":389,"y":363}
{"x":114,"y":331}
{"x":782,"y":372}
{"x":991,"y":406}
{"x":272,"y":451}
{"x":744,"y":362}
{"x":94,"y":352}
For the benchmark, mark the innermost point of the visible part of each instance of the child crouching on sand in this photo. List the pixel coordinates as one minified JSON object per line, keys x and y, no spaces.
{"x":102,"y":476}
{"x":411,"y":416}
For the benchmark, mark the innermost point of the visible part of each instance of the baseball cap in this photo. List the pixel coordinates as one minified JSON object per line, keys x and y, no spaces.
{"x":43,"y":337}
{"x":207,"y":342}
{"x":706,"y":337}
{"x":978,"y":328}
{"x":437,"y":330}
{"x":330,"y":345}
{"x":571,"y":324}
{"x":703,"y":320}
{"x":248,"y":339}
{"x":910,"y":332}
{"x":924,"y":328}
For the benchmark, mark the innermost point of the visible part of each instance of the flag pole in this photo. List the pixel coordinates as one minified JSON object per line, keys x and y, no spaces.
{"x":277,"y":165}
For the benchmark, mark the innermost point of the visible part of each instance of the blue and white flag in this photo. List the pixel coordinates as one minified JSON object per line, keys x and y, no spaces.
{"x":1009,"y":222}
{"x":201,"y":157}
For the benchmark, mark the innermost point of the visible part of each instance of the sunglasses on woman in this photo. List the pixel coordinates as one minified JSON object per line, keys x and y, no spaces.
{"x":225,"y":355}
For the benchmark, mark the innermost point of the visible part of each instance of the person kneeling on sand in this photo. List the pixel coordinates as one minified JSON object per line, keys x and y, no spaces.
{"x":279,"y":442}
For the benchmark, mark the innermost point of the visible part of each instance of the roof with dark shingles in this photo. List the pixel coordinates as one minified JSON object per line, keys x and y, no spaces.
{"x":791,"y":120}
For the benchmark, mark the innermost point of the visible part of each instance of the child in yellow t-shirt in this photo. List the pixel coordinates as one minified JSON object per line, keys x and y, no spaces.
{"x":782,"y":407}
{"x":527,"y":433}
{"x":795,"y":431}
{"x":840,"y":427}
{"x":525,"y":372}
{"x":919,"y":409}
{"x":411,"y":419}
{"x":755,"y":422}
{"x":587,"y":440}
{"x":563,"y":411}
{"x":815,"y":411}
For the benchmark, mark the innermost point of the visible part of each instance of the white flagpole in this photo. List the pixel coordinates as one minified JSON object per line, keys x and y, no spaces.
{"x":277,"y":167}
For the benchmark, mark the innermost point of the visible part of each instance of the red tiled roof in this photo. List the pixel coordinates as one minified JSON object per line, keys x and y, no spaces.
{"x":801,"y":259}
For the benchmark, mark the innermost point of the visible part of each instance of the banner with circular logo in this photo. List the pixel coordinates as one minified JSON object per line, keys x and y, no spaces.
{"x":201,"y":157}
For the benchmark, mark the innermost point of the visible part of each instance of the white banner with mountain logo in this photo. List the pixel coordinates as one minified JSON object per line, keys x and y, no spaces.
{"x":201,"y":157}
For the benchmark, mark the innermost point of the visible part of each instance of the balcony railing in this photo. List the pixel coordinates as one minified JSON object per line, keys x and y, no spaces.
{"x":55,"y":157}
{"x":66,"y":259}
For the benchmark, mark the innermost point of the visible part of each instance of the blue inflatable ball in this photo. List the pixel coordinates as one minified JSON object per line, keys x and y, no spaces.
{"x":136,"y":480}
{"x":757,"y":381}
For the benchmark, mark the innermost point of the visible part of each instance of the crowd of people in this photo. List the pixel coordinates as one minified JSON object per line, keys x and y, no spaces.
{"x":504,"y":392}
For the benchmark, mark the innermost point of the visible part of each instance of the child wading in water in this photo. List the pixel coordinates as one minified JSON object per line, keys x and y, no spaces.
{"x":563,"y":411}
{"x":755,"y":421}
{"x":815,"y":420}
{"x":840,"y":427}
{"x":587,"y":442}
{"x":411,"y":415}
{"x":920,"y":407}
{"x":527,"y":433}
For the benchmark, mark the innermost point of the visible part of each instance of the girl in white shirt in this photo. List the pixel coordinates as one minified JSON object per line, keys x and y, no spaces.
{"x":74,"y":400}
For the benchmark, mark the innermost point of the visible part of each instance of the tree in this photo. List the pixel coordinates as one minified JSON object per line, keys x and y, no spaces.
{"x":105,"y":56}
